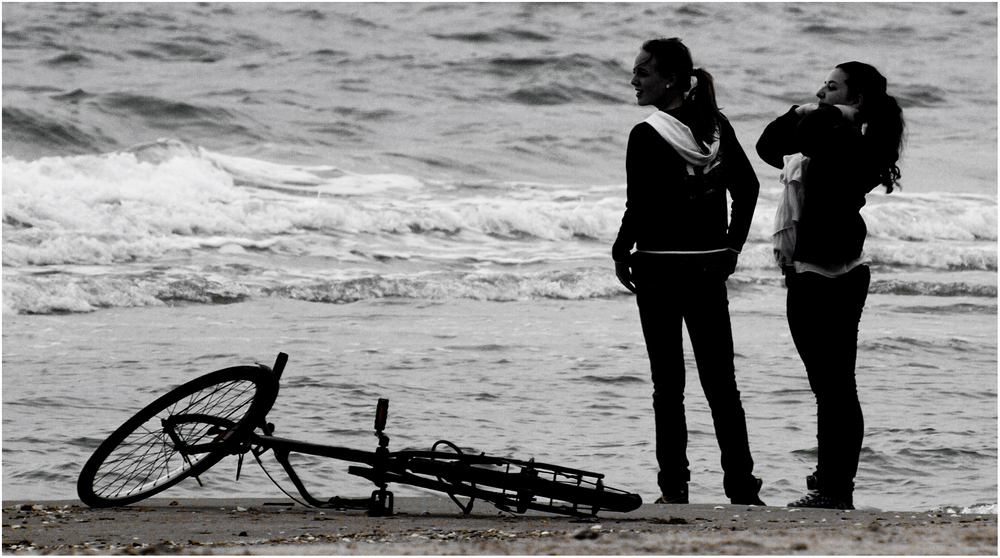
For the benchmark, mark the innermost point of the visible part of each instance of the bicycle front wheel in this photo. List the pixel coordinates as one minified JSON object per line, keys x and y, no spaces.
{"x":181,"y":434}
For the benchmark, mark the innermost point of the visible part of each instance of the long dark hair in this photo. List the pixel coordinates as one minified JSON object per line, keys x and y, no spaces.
{"x":882,"y":115}
{"x":673,"y":57}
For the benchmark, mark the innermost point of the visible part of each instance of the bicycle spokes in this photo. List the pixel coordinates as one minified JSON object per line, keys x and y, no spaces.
{"x":171,"y":437}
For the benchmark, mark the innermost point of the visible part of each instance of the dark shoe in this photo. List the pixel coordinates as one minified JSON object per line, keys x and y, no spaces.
{"x":751,"y":499}
{"x":677,"y":496}
{"x":816,"y":500}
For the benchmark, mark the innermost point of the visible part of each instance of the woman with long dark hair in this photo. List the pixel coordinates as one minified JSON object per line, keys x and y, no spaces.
{"x":833,"y":152}
{"x":680,"y":163}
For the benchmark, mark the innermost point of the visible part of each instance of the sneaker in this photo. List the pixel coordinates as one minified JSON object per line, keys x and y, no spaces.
{"x":679,"y":496}
{"x":816,"y":500}
{"x":749,"y":499}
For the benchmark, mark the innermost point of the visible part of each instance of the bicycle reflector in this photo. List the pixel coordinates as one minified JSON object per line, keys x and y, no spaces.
{"x":381,"y":414}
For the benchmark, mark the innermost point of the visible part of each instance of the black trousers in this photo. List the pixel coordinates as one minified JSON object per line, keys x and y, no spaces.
{"x":668,"y":296}
{"x":823,"y":316}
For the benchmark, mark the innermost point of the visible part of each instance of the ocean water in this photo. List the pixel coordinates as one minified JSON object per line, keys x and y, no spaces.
{"x":428,"y":189}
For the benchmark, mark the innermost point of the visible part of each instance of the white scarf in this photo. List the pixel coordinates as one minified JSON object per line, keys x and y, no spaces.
{"x":786,"y":217}
{"x":682,"y":140}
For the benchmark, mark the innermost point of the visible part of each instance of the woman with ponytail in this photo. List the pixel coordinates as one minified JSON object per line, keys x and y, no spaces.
{"x":834,"y":152}
{"x":680,"y":163}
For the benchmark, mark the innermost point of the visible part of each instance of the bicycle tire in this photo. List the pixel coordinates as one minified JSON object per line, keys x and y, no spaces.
{"x":210,"y":412}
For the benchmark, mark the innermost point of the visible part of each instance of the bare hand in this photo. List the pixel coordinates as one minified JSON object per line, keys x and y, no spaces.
{"x":733,"y":256}
{"x":803,"y":110}
{"x":624,"y":273}
{"x":849,"y":112}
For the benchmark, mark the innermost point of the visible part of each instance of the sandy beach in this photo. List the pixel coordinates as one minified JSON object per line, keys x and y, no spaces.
{"x":431,"y":525}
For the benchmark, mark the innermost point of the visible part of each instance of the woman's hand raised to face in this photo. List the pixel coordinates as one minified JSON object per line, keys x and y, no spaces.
{"x":848,"y":111}
{"x":803,"y":110}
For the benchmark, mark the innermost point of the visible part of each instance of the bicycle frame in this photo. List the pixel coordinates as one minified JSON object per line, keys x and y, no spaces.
{"x":452,"y":472}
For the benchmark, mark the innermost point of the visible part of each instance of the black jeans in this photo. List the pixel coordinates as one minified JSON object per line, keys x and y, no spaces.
{"x":668,"y":296}
{"x":823,"y":316}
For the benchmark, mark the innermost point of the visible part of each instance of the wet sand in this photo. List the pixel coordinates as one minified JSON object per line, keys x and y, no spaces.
{"x":432,"y":525}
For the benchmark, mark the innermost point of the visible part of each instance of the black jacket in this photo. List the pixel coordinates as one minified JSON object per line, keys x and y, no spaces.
{"x":669,"y":210}
{"x":842,"y":170}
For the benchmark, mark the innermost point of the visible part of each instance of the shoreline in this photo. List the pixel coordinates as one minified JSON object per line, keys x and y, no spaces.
{"x":435,"y":525}
{"x":478,"y":374}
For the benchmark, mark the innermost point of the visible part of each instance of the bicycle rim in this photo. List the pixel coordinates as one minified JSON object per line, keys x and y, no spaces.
{"x":152,"y":451}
